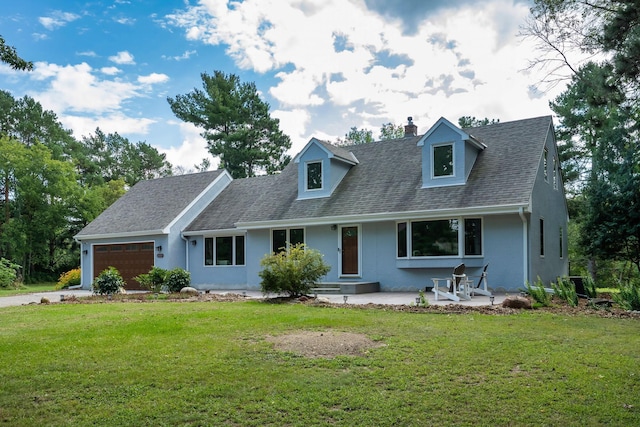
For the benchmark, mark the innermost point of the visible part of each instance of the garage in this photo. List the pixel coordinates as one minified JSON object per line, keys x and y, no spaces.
{"x":131,"y":260}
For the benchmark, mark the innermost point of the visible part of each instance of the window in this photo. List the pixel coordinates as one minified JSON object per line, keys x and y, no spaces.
{"x":561,"y":243}
{"x":473,"y":236}
{"x":443,"y":160}
{"x":434,"y":238}
{"x":438,"y":238}
{"x":280,"y":239}
{"x":224,"y":250}
{"x":545,"y":165}
{"x":541,"y":236}
{"x":314,"y":176}
{"x":402,"y":239}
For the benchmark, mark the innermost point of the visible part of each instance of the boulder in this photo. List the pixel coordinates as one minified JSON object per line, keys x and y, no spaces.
{"x":189,"y":290}
{"x":517,"y":302}
{"x":44,"y":300}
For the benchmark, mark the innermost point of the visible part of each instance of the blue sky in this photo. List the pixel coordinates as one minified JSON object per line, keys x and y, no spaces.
{"x":323,"y":65}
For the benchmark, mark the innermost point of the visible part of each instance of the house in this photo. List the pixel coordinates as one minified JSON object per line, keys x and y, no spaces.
{"x":394,"y":213}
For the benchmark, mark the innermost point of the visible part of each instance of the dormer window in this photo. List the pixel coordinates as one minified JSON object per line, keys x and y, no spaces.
{"x":442,"y":160}
{"x":314,"y":175}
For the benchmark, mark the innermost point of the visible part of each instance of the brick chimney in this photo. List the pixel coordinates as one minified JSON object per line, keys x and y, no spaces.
{"x":410,"y":129}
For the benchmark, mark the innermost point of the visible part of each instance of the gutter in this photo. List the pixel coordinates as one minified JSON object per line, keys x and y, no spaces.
{"x":525,"y":245}
{"x":186,"y":252}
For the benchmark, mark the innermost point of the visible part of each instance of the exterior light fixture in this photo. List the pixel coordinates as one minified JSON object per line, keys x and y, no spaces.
{"x":194,"y":242}
{"x":417,"y":300}
{"x":85,"y":252}
{"x":159,"y":248}
{"x":491,"y":298}
{"x":345,"y":298}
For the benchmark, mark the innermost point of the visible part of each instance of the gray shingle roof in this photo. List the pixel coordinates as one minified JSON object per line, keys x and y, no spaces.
{"x":388,"y":179}
{"x":150,"y":205}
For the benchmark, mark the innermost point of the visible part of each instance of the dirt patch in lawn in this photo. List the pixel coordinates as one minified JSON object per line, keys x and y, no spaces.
{"x":327,"y":344}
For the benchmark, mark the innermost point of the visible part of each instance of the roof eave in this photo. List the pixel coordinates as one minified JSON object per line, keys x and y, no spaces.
{"x":84,"y":237}
{"x":387,"y":216}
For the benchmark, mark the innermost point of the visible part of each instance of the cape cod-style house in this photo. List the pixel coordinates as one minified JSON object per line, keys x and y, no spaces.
{"x":395,"y":213}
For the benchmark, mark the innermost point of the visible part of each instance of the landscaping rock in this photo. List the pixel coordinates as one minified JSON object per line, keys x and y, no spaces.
{"x":516,"y":302}
{"x":189,"y":290}
{"x":44,"y":300}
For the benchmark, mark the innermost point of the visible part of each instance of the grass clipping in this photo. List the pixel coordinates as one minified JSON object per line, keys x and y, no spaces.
{"x":326,"y":344}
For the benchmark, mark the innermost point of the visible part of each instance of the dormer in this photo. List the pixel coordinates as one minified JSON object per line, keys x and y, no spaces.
{"x":448,"y":155}
{"x":321,"y":167}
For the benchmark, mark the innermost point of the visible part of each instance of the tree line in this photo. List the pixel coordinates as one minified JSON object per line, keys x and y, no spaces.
{"x":599,"y":124}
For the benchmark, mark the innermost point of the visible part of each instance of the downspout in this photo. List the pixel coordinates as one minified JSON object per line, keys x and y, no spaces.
{"x":186,"y":252}
{"x":525,"y":245}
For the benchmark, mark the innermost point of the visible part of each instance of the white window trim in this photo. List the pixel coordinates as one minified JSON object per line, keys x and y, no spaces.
{"x":461,"y":238}
{"x":287,"y":237}
{"x":453,"y":160}
{"x":306,"y":175}
{"x":215,"y":250}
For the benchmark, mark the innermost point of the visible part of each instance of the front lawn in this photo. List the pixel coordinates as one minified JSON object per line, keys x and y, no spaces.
{"x":211,"y":363}
{"x":27,"y":289}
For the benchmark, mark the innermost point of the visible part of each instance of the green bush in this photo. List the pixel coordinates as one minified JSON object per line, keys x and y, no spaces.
{"x":539,"y":294}
{"x":629,"y":296}
{"x":70,"y":278}
{"x":177,"y":279}
{"x":293,"y":271}
{"x":590,"y":289}
{"x":108,"y":282}
{"x":565,"y":289}
{"x":8,"y":273}
{"x":154,"y":280}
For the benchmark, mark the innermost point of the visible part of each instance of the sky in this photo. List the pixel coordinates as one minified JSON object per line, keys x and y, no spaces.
{"x":323,"y":66}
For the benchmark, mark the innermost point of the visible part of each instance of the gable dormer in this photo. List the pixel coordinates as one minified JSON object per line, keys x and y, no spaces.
{"x":321,"y":167}
{"x":448,"y":154}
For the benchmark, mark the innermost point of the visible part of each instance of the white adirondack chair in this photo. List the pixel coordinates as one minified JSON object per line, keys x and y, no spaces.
{"x":454,"y":288}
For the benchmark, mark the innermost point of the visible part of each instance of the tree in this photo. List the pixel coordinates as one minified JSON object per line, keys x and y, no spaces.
{"x":42,"y":196}
{"x":471,"y":122}
{"x":236,"y":124}
{"x":111,"y":156}
{"x":391,"y":131}
{"x":8,"y":55}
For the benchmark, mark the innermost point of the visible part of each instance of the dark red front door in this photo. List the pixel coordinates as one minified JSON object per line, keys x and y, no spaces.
{"x":350,"y":250}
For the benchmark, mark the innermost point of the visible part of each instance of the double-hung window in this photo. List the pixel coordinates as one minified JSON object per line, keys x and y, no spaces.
{"x":224,"y":250}
{"x":443,"y":160}
{"x":314,"y":175}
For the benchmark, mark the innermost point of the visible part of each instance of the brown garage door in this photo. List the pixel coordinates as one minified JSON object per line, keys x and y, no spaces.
{"x":131,"y":259}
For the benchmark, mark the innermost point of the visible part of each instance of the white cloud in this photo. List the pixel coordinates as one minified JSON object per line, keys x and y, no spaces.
{"x":186,"y":55}
{"x":108,"y":123}
{"x":153,"y":78}
{"x":111,"y":71}
{"x":76,"y":88}
{"x":123,"y":57}
{"x":57,"y":19}
{"x":464,"y":60}
{"x":191,"y":151}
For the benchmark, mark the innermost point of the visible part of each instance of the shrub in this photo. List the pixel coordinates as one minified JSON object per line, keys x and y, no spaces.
{"x":565,"y":289}
{"x":589,"y":287}
{"x":177,"y":279}
{"x":8,"y":273}
{"x":154,"y":280}
{"x":70,"y":278}
{"x":629,"y":296}
{"x":293,"y":271}
{"x":539,"y":293}
{"x":108,"y":282}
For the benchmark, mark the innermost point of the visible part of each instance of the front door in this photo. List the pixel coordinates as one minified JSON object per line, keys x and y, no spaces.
{"x":350,"y":262}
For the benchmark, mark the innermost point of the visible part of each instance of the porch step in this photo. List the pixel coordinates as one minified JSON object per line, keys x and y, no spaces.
{"x":346,"y":288}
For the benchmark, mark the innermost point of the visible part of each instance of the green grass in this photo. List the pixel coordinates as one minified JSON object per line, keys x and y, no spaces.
{"x":27,"y":289}
{"x":193,"y":364}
